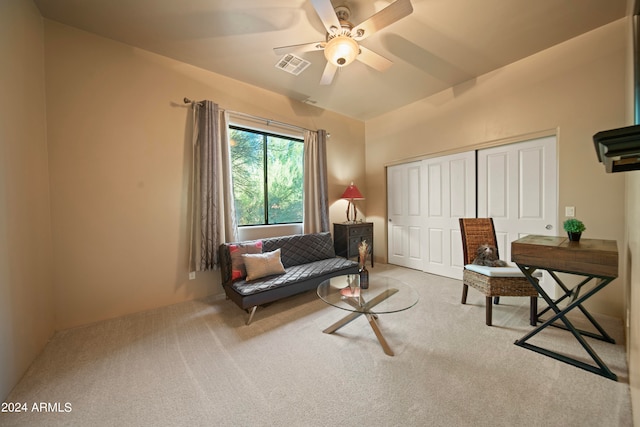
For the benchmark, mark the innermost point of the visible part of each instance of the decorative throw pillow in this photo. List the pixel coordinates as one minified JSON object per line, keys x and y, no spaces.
{"x":238,"y":270}
{"x":261,"y":265}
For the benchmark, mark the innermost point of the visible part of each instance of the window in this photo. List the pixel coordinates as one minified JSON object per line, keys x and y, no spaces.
{"x":267,"y":172}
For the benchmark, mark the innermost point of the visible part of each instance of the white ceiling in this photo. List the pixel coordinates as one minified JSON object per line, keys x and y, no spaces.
{"x":441,"y":44}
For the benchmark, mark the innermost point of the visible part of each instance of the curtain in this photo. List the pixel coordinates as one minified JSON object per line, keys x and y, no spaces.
{"x":213,"y":219}
{"x":316,"y":194}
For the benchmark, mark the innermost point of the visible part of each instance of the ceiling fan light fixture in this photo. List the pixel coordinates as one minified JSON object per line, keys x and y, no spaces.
{"x":341,"y":50}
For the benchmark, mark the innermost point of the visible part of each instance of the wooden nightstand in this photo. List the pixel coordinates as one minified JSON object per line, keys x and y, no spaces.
{"x":346,"y":238}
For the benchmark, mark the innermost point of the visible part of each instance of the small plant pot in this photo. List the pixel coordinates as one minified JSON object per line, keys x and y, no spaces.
{"x":574,"y":237}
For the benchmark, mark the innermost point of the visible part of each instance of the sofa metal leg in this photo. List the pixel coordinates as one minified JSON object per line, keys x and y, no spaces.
{"x":251,"y":313}
{"x":465,"y":290}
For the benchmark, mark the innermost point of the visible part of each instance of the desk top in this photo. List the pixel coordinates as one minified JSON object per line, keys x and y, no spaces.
{"x":588,"y":256}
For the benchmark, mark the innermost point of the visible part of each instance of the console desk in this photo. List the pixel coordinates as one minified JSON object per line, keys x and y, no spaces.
{"x":593,"y":259}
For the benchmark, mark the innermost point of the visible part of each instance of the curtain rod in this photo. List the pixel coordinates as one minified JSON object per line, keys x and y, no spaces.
{"x":249,"y":116}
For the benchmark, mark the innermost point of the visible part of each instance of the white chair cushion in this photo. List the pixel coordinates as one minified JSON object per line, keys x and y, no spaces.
{"x":499,"y":271}
{"x":495,"y":271}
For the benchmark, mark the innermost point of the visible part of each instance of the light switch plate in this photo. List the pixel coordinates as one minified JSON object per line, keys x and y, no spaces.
{"x":570,"y":211}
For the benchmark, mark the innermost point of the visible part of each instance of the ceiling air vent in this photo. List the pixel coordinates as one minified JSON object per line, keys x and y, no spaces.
{"x":292,"y":64}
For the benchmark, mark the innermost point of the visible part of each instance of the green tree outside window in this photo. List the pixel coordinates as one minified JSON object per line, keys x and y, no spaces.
{"x":267,"y":175}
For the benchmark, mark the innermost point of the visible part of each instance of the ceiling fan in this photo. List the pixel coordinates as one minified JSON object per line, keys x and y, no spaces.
{"x":341,"y":46}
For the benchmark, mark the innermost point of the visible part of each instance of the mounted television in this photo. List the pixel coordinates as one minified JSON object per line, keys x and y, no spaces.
{"x":619,"y":149}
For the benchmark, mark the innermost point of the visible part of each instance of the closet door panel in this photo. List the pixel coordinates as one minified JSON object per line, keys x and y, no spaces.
{"x":517,"y":187}
{"x":451,"y":195}
{"x":404,"y":213}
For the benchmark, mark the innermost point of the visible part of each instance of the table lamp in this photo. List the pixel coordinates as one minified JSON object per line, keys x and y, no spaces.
{"x":352,"y":193}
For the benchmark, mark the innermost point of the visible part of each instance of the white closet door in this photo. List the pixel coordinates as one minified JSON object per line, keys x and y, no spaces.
{"x":517,"y":187}
{"x":404,"y":215}
{"x":449,"y":194}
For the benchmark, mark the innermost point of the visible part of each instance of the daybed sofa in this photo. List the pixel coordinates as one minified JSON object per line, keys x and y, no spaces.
{"x":306,"y":260}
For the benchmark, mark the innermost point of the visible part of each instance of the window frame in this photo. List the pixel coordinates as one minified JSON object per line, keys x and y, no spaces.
{"x":265,"y":135}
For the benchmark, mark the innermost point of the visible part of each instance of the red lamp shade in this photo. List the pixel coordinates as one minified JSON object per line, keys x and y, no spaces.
{"x":352,"y":193}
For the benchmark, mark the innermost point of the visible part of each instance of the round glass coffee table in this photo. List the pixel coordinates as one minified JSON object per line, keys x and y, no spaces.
{"x":384,"y":295}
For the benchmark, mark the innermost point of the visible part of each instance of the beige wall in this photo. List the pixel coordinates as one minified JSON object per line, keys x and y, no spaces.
{"x":633,"y":246}
{"x":120,"y":162}
{"x":576,"y":88}
{"x":26,"y":291}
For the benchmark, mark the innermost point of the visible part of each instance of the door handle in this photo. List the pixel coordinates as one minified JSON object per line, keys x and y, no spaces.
{"x":549,"y":227}
{"x":390,"y":220}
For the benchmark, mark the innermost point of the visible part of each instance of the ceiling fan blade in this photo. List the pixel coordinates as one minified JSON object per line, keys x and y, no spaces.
{"x":387,"y":16}
{"x":328,"y":73}
{"x":373,"y":60}
{"x":327,"y":14}
{"x":299,"y":48}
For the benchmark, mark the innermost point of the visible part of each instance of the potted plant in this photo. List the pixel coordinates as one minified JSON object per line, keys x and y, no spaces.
{"x":574,"y":227}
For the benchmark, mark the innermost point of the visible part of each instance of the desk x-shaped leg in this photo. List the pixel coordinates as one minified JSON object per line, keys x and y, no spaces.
{"x":574,"y":294}
{"x":365,"y":309}
{"x":577,"y":301}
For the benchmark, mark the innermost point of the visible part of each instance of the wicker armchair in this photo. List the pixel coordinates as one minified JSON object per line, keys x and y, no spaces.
{"x":495,"y":281}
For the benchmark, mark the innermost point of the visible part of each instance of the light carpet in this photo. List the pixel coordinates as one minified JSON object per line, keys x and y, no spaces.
{"x":198,"y":364}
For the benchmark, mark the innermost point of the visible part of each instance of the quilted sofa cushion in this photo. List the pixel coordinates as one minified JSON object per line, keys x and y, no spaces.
{"x":301,"y":248}
{"x":293,"y":274}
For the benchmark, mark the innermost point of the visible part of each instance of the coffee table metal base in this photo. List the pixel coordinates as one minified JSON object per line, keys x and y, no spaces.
{"x":371,"y":317}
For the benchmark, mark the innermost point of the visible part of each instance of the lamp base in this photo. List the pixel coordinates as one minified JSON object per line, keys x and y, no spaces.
{"x":351,"y":207}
